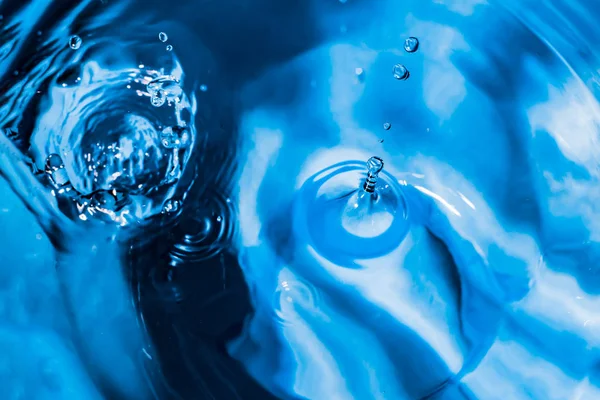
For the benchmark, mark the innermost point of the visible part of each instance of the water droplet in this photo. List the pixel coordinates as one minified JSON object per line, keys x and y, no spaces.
{"x":55,"y":169}
{"x":163,"y":37}
{"x":174,"y":137}
{"x":164,"y":88}
{"x":411,"y":44}
{"x":400,"y":72}
{"x":75,"y":42}
{"x":387,"y":126}
{"x":219,"y":219}
{"x":169,"y":47}
{"x":203,"y":88}
{"x":171,"y":206}
{"x":54,"y":163}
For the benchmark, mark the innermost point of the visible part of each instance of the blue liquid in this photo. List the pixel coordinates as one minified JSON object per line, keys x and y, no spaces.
{"x":203,"y":261}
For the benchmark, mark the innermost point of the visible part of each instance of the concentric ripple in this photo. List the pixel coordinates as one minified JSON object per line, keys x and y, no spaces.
{"x":204,"y":232}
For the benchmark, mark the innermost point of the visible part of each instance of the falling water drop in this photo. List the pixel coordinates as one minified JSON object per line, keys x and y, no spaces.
{"x":75,"y":42}
{"x":387,"y":126}
{"x":411,"y":44}
{"x":400,"y":72}
{"x":163,"y":37}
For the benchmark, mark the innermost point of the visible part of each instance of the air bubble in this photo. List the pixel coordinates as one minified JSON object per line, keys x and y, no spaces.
{"x":169,"y":47}
{"x":411,"y":44}
{"x":75,"y":42}
{"x":387,"y":126}
{"x":400,"y":72}
{"x":292,"y":296}
{"x":163,"y":37}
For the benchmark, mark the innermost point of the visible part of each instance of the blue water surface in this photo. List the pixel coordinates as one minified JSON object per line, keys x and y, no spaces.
{"x":183,"y":214}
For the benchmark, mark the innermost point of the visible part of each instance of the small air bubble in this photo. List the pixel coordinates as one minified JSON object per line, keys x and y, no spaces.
{"x":387,"y":126}
{"x":411,"y":44}
{"x":400,"y":72}
{"x":169,"y":47}
{"x":75,"y":42}
{"x":203,"y":88}
{"x":163,"y":37}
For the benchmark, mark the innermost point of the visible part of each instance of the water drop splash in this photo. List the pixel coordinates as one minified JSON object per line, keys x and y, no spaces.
{"x":110,"y":140}
{"x":163,"y":37}
{"x":75,"y":42}
{"x":400,"y":72}
{"x":362,"y":215}
{"x":374,"y":167}
{"x":411,"y":44}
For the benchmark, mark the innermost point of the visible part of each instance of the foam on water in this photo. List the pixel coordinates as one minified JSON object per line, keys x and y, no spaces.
{"x":461,"y":266}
